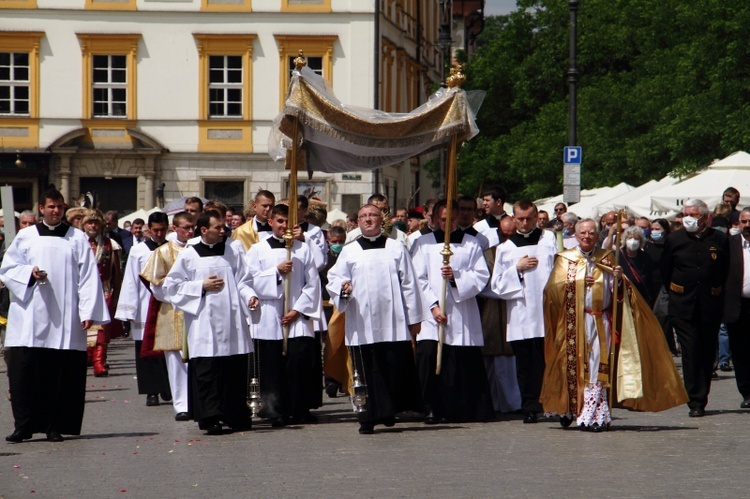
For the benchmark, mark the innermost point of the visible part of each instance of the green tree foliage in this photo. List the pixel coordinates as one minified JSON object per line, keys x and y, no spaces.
{"x":664,"y":85}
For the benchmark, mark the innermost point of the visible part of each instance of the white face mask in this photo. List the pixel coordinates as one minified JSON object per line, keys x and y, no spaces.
{"x":734,"y":231}
{"x":690,"y":224}
{"x":633,"y":244}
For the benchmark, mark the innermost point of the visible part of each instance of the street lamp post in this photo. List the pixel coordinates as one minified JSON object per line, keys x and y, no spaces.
{"x":572,"y":74}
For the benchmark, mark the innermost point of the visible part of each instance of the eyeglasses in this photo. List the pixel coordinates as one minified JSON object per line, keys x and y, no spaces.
{"x":368,"y":215}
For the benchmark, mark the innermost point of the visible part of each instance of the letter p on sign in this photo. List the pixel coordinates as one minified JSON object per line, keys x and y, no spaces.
{"x":572,"y":155}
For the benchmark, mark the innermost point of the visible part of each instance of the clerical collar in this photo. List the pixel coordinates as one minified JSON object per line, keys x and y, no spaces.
{"x":58,"y":230}
{"x":371,"y":238}
{"x":500,"y":216}
{"x":51,"y":227}
{"x":151,"y":244}
{"x":586,"y":254}
{"x":206,"y":244}
{"x":204,"y":249}
{"x":180,"y":243}
{"x":262,"y":226}
{"x":528,"y":239}
{"x":275,"y":242}
{"x":368,"y":243}
{"x":456,"y":236}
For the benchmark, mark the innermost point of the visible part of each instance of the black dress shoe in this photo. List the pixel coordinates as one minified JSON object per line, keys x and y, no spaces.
{"x":278,"y":423}
{"x":214,"y":429}
{"x":166,"y":397}
{"x":698,"y":412}
{"x":182,"y":416}
{"x":745,"y":404}
{"x":565,"y":421}
{"x":18,"y":436}
{"x":54,"y":436}
{"x":152,"y":400}
{"x":246,"y":425}
{"x":725,"y":367}
{"x":332,"y":390}
{"x":366,"y":428}
{"x":389,"y":422}
{"x":431,"y":418}
{"x":530,"y":417}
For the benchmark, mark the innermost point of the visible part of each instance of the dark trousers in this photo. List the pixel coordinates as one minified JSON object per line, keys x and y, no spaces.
{"x":529,"y":372}
{"x":426,"y":358}
{"x":698,"y":339}
{"x":48,"y":389}
{"x":219,"y":390}
{"x":286,"y":385}
{"x":151,"y":372}
{"x":739,"y":344}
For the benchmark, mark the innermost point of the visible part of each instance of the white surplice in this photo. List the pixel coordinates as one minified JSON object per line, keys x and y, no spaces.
{"x":216,"y":321}
{"x":470,"y":274}
{"x":49,"y":315}
{"x":262,"y":261}
{"x":385,"y":296}
{"x":524,"y":298}
{"x":134,"y":295}
{"x":488,"y":231}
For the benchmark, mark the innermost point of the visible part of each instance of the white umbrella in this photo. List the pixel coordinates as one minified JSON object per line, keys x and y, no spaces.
{"x":335,"y":214}
{"x":141,"y":213}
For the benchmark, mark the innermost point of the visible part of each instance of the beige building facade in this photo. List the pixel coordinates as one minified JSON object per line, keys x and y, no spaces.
{"x":147,"y":101}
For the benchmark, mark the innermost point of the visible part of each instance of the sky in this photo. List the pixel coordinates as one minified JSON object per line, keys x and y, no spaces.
{"x":498,"y":7}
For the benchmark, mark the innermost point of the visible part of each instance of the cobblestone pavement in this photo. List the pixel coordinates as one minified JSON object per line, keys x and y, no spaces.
{"x":128,"y":449}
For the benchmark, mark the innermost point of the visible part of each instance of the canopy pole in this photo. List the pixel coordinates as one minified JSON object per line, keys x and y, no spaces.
{"x":615,"y":313}
{"x":450,"y":197}
{"x":455,"y":79}
{"x":299,"y":63}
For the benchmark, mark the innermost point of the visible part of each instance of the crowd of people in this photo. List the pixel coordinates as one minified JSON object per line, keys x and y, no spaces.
{"x":441,"y":313}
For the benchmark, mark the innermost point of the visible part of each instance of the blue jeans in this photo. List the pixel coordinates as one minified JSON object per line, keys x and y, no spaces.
{"x":724,"y":353}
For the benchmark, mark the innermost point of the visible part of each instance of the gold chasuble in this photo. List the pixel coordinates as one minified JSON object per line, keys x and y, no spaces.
{"x":646,"y":377}
{"x":246,"y":233}
{"x":170,"y":323}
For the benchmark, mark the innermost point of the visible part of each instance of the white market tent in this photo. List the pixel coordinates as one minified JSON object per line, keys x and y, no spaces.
{"x":638,"y":201}
{"x":708,"y":185}
{"x":591,"y":202}
{"x":548,"y":204}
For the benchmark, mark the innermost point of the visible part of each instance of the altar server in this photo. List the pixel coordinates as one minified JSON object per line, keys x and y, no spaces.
{"x":461,"y":391}
{"x":57,"y":295}
{"x":132,"y":306}
{"x":287,"y":388}
{"x":210,"y":284}
{"x":165,"y":326}
{"x":523,"y":265}
{"x":374,"y":283}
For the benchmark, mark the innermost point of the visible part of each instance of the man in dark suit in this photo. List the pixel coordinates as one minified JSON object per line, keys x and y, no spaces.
{"x":737,"y":306}
{"x":123,"y":237}
{"x":694,"y":265}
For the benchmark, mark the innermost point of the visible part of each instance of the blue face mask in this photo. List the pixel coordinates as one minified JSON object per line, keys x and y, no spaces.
{"x":566,"y":232}
{"x":657,"y":235}
{"x":646,"y":232}
{"x":336,"y":248}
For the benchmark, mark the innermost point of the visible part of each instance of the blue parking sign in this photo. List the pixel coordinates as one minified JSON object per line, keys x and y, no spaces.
{"x":572,"y":155}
